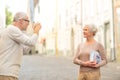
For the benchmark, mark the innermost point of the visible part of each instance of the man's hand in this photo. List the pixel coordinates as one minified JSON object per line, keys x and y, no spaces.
{"x":36,"y":28}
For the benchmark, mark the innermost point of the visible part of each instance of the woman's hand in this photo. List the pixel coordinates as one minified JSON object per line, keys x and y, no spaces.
{"x":96,"y":66}
{"x":90,"y":64}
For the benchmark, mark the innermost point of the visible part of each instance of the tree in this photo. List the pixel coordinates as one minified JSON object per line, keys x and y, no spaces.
{"x":9,"y":16}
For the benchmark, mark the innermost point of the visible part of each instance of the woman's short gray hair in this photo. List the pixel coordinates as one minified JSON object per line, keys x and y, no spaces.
{"x":19,"y":15}
{"x":92,"y":28}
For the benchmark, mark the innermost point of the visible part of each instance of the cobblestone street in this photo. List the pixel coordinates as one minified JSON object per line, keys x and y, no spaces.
{"x":36,"y":67}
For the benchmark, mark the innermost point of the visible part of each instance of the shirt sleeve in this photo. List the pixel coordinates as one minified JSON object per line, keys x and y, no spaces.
{"x":103,"y":55}
{"x":18,"y":36}
{"x":26,"y":49}
{"x":77,"y":52}
{"x":76,"y":59}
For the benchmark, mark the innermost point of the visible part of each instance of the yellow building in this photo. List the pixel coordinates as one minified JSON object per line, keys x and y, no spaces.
{"x":116,"y":9}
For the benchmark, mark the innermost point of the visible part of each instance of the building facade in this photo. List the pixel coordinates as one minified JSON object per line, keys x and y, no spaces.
{"x":64,"y":19}
{"x":80,"y":12}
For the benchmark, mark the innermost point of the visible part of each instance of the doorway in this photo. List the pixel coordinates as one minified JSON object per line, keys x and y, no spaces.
{"x":107,"y":41}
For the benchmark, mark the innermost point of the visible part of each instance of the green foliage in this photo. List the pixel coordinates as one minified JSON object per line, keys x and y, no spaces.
{"x":8,"y":16}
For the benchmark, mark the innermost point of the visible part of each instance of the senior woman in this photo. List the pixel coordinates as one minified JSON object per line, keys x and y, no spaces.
{"x":89,"y":70}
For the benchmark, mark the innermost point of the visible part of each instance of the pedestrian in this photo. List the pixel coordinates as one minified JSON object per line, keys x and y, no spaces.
{"x":12,"y":40}
{"x":89,"y":70}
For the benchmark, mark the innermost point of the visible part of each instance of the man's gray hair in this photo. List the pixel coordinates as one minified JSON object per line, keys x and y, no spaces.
{"x":19,"y":15}
{"x":92,"y":28}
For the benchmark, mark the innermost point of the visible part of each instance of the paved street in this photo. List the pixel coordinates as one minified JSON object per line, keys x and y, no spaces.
{"x":38,"y":67}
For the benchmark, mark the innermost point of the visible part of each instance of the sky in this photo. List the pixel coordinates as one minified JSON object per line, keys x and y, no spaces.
{"x":16,"y":5}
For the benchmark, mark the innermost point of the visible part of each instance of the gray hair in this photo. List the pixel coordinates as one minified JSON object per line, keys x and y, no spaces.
{"x":19,"y":15}
{"x":92,"y":28}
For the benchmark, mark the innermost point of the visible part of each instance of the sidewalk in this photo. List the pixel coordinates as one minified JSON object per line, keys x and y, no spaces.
{"x":111,"y":71}
{"x":36,"y":67}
